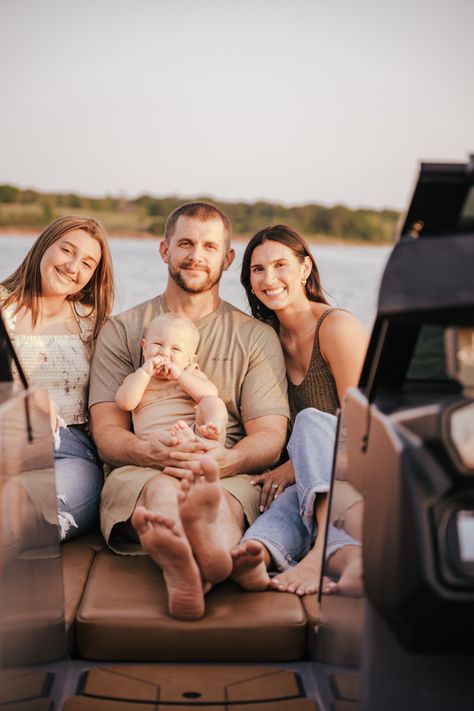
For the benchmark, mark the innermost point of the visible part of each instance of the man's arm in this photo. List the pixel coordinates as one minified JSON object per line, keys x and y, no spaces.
{"x":118,"y":446}
{"x":266,"y":437}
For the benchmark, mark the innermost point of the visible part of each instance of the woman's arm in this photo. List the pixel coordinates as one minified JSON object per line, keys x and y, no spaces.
{"x":343,"y":341}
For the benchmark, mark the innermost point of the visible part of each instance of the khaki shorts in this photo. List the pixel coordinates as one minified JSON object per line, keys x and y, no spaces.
{"x":124,"y":485}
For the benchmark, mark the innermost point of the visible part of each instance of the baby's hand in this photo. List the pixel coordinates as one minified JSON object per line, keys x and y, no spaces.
{"x":152,"y":365}
{"x":170,"y":370}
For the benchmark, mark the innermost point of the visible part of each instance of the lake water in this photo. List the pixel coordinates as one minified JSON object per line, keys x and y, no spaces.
{"x":350,"y":275}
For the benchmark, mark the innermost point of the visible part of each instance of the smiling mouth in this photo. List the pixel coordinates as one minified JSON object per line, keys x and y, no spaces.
{"x":189,"y":268}
{"x":274,"y":292}
{"x":65,"y":276}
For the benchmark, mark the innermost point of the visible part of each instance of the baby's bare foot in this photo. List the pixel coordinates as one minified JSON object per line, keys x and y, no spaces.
{"x":167,"y":545}
{"x":249,"y":569}
{"x":199,"y":503}
{"x":182,"y":432}
{"x":210,"y":431}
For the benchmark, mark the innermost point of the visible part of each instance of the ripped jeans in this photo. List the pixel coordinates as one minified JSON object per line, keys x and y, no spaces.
{"x":288,"y":528}
{"x":79,"y":481}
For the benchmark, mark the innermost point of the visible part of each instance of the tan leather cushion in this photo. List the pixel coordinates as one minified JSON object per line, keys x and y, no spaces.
{"x":77,"y":557}
{"x":339,"y":636}
{"x":123,"y":615}
{"x":31,"y":615}
{"x":313,"y":611}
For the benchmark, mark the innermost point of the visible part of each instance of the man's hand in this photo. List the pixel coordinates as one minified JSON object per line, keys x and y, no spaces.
{"x":265,"y":437}
{"x":187,"y":460}
{"x":118,"y":446}
{"x":274,"y":482}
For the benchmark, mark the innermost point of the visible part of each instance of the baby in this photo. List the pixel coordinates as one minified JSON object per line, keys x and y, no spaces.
{"x":169,"y":393}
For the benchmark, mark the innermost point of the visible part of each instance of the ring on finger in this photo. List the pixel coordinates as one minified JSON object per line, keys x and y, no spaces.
{"x":275,"y":486}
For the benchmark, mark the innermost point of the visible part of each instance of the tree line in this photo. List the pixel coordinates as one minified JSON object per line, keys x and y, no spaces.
{"x":146,"y":214}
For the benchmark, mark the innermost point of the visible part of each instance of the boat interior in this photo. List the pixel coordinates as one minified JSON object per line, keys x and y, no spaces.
{"x":82,"y":628}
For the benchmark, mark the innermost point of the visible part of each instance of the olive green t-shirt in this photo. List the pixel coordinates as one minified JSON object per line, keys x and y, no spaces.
{"x":239,"y":354}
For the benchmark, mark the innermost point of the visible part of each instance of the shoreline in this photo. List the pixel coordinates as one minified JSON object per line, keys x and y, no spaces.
{"x":120,"y":234}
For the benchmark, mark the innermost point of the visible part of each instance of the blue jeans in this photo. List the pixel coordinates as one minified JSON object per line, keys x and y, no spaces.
{"x":79,"y":481}
{"x":288,"y":528}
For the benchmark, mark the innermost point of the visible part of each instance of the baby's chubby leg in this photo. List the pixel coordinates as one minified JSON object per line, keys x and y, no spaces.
{"x":211,"y":418}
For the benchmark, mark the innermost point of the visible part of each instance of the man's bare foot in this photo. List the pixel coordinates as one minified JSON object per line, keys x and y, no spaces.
{"x":209,"y":431}
{"x":199,"y":503}
{"x":303,"y":578}
{"x":167,"y":545}
{"x":182,"y":432}
{"x":249,"y":569}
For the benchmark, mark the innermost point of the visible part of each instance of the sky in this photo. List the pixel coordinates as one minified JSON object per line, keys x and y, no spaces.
{"x":290,"y":101}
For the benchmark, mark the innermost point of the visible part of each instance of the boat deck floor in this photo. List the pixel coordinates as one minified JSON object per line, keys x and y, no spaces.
{"x":78,"y":685}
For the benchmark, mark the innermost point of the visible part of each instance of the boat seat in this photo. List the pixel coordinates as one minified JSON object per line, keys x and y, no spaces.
{"x":123,"y":615}
{"x":77,"y":557}
{"x":339,"y":629}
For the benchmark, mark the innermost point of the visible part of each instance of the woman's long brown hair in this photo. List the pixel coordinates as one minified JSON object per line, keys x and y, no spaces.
{"x":290,"y":238}
{"x":24,"y":284}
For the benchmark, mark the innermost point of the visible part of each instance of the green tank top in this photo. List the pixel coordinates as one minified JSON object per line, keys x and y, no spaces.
{"x":318,"y":387}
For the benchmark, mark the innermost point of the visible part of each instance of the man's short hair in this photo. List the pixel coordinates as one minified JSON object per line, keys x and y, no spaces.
{"x":203,"y":211}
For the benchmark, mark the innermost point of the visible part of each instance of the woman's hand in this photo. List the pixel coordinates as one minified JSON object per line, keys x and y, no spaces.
{"x":274,"y":482}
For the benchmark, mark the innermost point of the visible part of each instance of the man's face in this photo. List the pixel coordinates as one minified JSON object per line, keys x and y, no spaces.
{"x":197,"y":254}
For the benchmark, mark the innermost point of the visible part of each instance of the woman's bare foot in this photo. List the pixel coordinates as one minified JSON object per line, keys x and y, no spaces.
{"x":250,"y":569}
{"x":182,"y":432}
{"x":347,"y":564}
{"x":167,"y":545}
{"x":199,"y":503}
{"x":303,"y":578}
{"x":210,"y":431}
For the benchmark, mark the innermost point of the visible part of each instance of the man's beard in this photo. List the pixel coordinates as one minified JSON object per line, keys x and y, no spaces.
{"x":179,"y":277}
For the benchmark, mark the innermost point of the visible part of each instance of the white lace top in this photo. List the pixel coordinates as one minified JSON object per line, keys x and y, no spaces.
{"x":60,"y":363}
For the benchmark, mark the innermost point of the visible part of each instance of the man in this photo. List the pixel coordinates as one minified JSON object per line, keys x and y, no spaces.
{"x":189,"y":510}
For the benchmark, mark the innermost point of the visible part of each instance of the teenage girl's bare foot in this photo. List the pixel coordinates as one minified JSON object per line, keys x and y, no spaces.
{"x":167,"y":545}
{"x":249,"y":569}
{"x":199,"y":503}
{"x":182,"y":432}
{"x":303,"y":578}
{"x":209,"y":431}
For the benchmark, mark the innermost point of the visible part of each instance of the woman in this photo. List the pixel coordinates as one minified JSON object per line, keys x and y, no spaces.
{"x":324,"y":349}
{"x":54,"y":305}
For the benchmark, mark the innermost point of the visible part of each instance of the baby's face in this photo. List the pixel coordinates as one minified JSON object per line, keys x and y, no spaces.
{"x":169,"y":340}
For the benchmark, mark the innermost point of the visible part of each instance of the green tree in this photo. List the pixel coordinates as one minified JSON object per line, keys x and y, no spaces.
{"x":8,"y":193}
